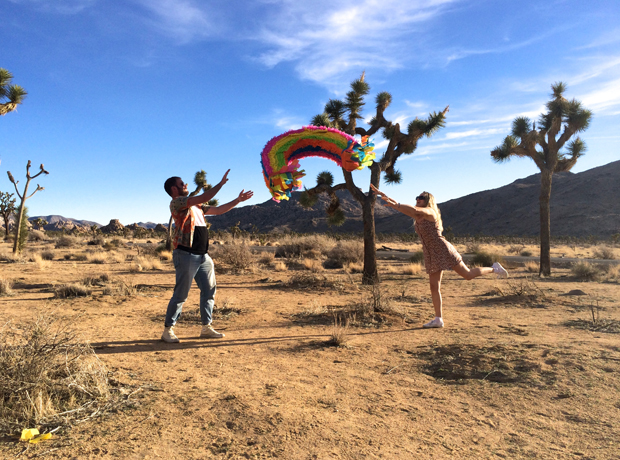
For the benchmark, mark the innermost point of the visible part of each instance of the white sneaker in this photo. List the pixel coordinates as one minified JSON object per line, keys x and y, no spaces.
{"x":437,"y":322}
{"x":209,"y":333}
{"x":499,"y":270}
{"x":168,"y":336}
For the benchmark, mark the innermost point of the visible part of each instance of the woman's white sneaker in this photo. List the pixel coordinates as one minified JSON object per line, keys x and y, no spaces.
{"x":499,"y":270}
{"x":437,"y":322}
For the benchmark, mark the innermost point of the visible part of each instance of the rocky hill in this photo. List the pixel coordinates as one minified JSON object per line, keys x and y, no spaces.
{"x":582,"y":204}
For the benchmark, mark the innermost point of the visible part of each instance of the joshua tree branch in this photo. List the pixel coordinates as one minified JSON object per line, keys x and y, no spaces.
{"x":38,"y":188}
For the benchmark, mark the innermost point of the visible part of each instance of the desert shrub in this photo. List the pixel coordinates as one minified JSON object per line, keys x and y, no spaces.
{"x":313,"y":265}
{"x":47,"y":255}
{"x":67,"y":291}
{"x":354,"y":267}
{"x":97,"y":258}
{"x":345,"y":252}
{"x":97,"y":240}
{"x":308,"y":247}
{"x":612,"y":273}
{"x":121,"y":288}
{"x":165,"y":255}
{"x":417,"y":257}
{"x":473,"y":248}
{"x":485,"y":259}
{"x":81,"y":257}
{"x":11,"y":258}
{"x":266,"y":258}
{"x":584,"y":271}
{"x":112,"y":244}
{"x":280,"y":267}
{"x":6,"y":287}
{"x":532,"y":267}
{"x":66,"y":241}
{"x":311,"y":281}
{"x":340,"y":330}
{"x":100,"y":280}
{"x":237,"y":256}
{"x":39,"y":261}
{"x":515,"y":248}
{"x":604,"y":252}
{"x":36,"y":235}
{"x":48,"y":377}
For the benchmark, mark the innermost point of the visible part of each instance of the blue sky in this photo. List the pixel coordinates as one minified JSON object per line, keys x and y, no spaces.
{"x":124,"y":94}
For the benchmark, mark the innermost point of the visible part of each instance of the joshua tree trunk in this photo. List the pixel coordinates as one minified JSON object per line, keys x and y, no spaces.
{"x":370,"y":275}
{"x":24,"y":197}
{"x":545,"y":222}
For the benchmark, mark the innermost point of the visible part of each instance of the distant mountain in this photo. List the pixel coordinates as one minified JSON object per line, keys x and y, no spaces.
{"x":582,"y":204}
{"x":55,"y":222}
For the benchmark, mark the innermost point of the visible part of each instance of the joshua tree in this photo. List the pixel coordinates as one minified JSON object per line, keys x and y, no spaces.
{"x":23,"y":197}
{"x":10,"y":95}
{"x":561,"y":114}
{"x":343,"y":115}
{"x":200,"y":179}
{"x":7,"y":207}
{"x":39,"y":223}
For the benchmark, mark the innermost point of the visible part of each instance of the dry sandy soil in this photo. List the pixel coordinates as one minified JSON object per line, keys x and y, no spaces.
{"x":519,"y":371}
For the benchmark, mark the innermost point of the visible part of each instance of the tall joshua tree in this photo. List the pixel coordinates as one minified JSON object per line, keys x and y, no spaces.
{"x":23,"y":197}
{"x":200,"y":180}
{"x":343,"y":115}
{"x":7,"y":207}
{"x":563,"y":118}
{"x":10,"y":95}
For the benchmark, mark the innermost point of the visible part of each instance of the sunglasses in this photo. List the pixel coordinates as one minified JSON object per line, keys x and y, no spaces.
{"x":420,"y":198}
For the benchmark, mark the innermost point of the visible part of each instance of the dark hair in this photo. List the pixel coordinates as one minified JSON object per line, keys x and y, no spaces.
{"x":171,"y":182}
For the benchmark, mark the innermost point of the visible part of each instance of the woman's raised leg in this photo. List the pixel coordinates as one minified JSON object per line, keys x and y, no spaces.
{"x":468,"y":274}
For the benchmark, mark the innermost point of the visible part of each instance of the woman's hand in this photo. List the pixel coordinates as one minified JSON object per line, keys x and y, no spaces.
{"x":388,"y":201}
{"x":243,"y":196}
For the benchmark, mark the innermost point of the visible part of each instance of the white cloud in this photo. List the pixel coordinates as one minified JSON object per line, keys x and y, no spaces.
{"x":183,"y":20}
{"x":473,"y":132}
{"x":605,"y":97}
{"x":327,"y":41}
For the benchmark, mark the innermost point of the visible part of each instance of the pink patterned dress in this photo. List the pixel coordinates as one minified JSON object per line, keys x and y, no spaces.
{"x":439,"y":254}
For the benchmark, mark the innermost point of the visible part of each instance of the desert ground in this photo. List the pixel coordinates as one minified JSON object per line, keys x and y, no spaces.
{"x":316,"y":366}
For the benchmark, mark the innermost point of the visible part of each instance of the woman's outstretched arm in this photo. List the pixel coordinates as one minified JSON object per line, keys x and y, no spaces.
{"x":406,"y":209}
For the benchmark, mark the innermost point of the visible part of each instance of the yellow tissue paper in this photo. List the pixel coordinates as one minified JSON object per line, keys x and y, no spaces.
{"x":29,"y":433}
{"x":42,"y":437}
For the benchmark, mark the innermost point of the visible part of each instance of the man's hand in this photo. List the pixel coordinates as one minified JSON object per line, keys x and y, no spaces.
{"x":225,"y":178}
{"x":244,"y":196}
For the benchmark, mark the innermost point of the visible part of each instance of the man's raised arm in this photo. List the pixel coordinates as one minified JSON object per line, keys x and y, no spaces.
{"x":207,"y":195}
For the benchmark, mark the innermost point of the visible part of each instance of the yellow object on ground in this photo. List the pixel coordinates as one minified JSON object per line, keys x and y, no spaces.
{"x":32,"y":435}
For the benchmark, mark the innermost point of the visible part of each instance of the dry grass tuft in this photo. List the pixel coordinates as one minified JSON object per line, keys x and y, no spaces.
{"x":97,"y":258}
{"x":66,"y":241}
{"x":47,"y":255}
{"x":6,"y":287}
{"x":354,"y":267}
{"x":413,"y":269}
{"x":67,"y":291}
{"x":345,"y":252}
{"x":165,"y":256}
{"x":313,"y":265}
{"x":266,"y":258}
{"x":532,"y":267}
{"x":307,"y":247}
{"x":100,"y":280}
{"x":145,"y":263}
{"x":280,"y":267}
{"x":604,"y":252}
{"x":613,"y":273}
{"x":49,"y":377}
{"x":340,"y":331}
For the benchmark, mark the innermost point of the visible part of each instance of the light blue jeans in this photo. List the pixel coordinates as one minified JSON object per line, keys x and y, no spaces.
{"x":189,"y":267}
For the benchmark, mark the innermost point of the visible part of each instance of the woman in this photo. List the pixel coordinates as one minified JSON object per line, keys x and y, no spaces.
{"x":439,"y":254}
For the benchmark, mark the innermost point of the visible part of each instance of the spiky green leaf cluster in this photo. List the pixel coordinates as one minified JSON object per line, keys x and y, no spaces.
{"x":325,"y":178}
{"x":576,"y":148}
{"x":416,"y":126}
{"x":435,"y":121}
{"x":200,"y":178}
{"x":502,"y":152}
{"x":521,"y":126}
{"x":393,"y":176}
{"x":10,"y":95}
{"x":337,"y":218}
{"x":383,"y":100}
{"x":354,"y":101}
{"x":321,"y":120}
{"x":306,"y":200}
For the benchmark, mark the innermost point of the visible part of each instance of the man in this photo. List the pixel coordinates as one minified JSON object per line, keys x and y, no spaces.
{"x":190,"y":255}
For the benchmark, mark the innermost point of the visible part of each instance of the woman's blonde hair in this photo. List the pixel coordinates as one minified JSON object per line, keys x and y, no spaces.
{"x":431,"y":203}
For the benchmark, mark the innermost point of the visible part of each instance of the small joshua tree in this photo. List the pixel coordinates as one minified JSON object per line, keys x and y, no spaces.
{"x":549,"y":158}
{"x":39,"y":223}
{"x":343,"y":115}
{"x":10,"y":95}
{"x":23,"y":197}
{"x":7,"y":207}
{"x":200,"y":179}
